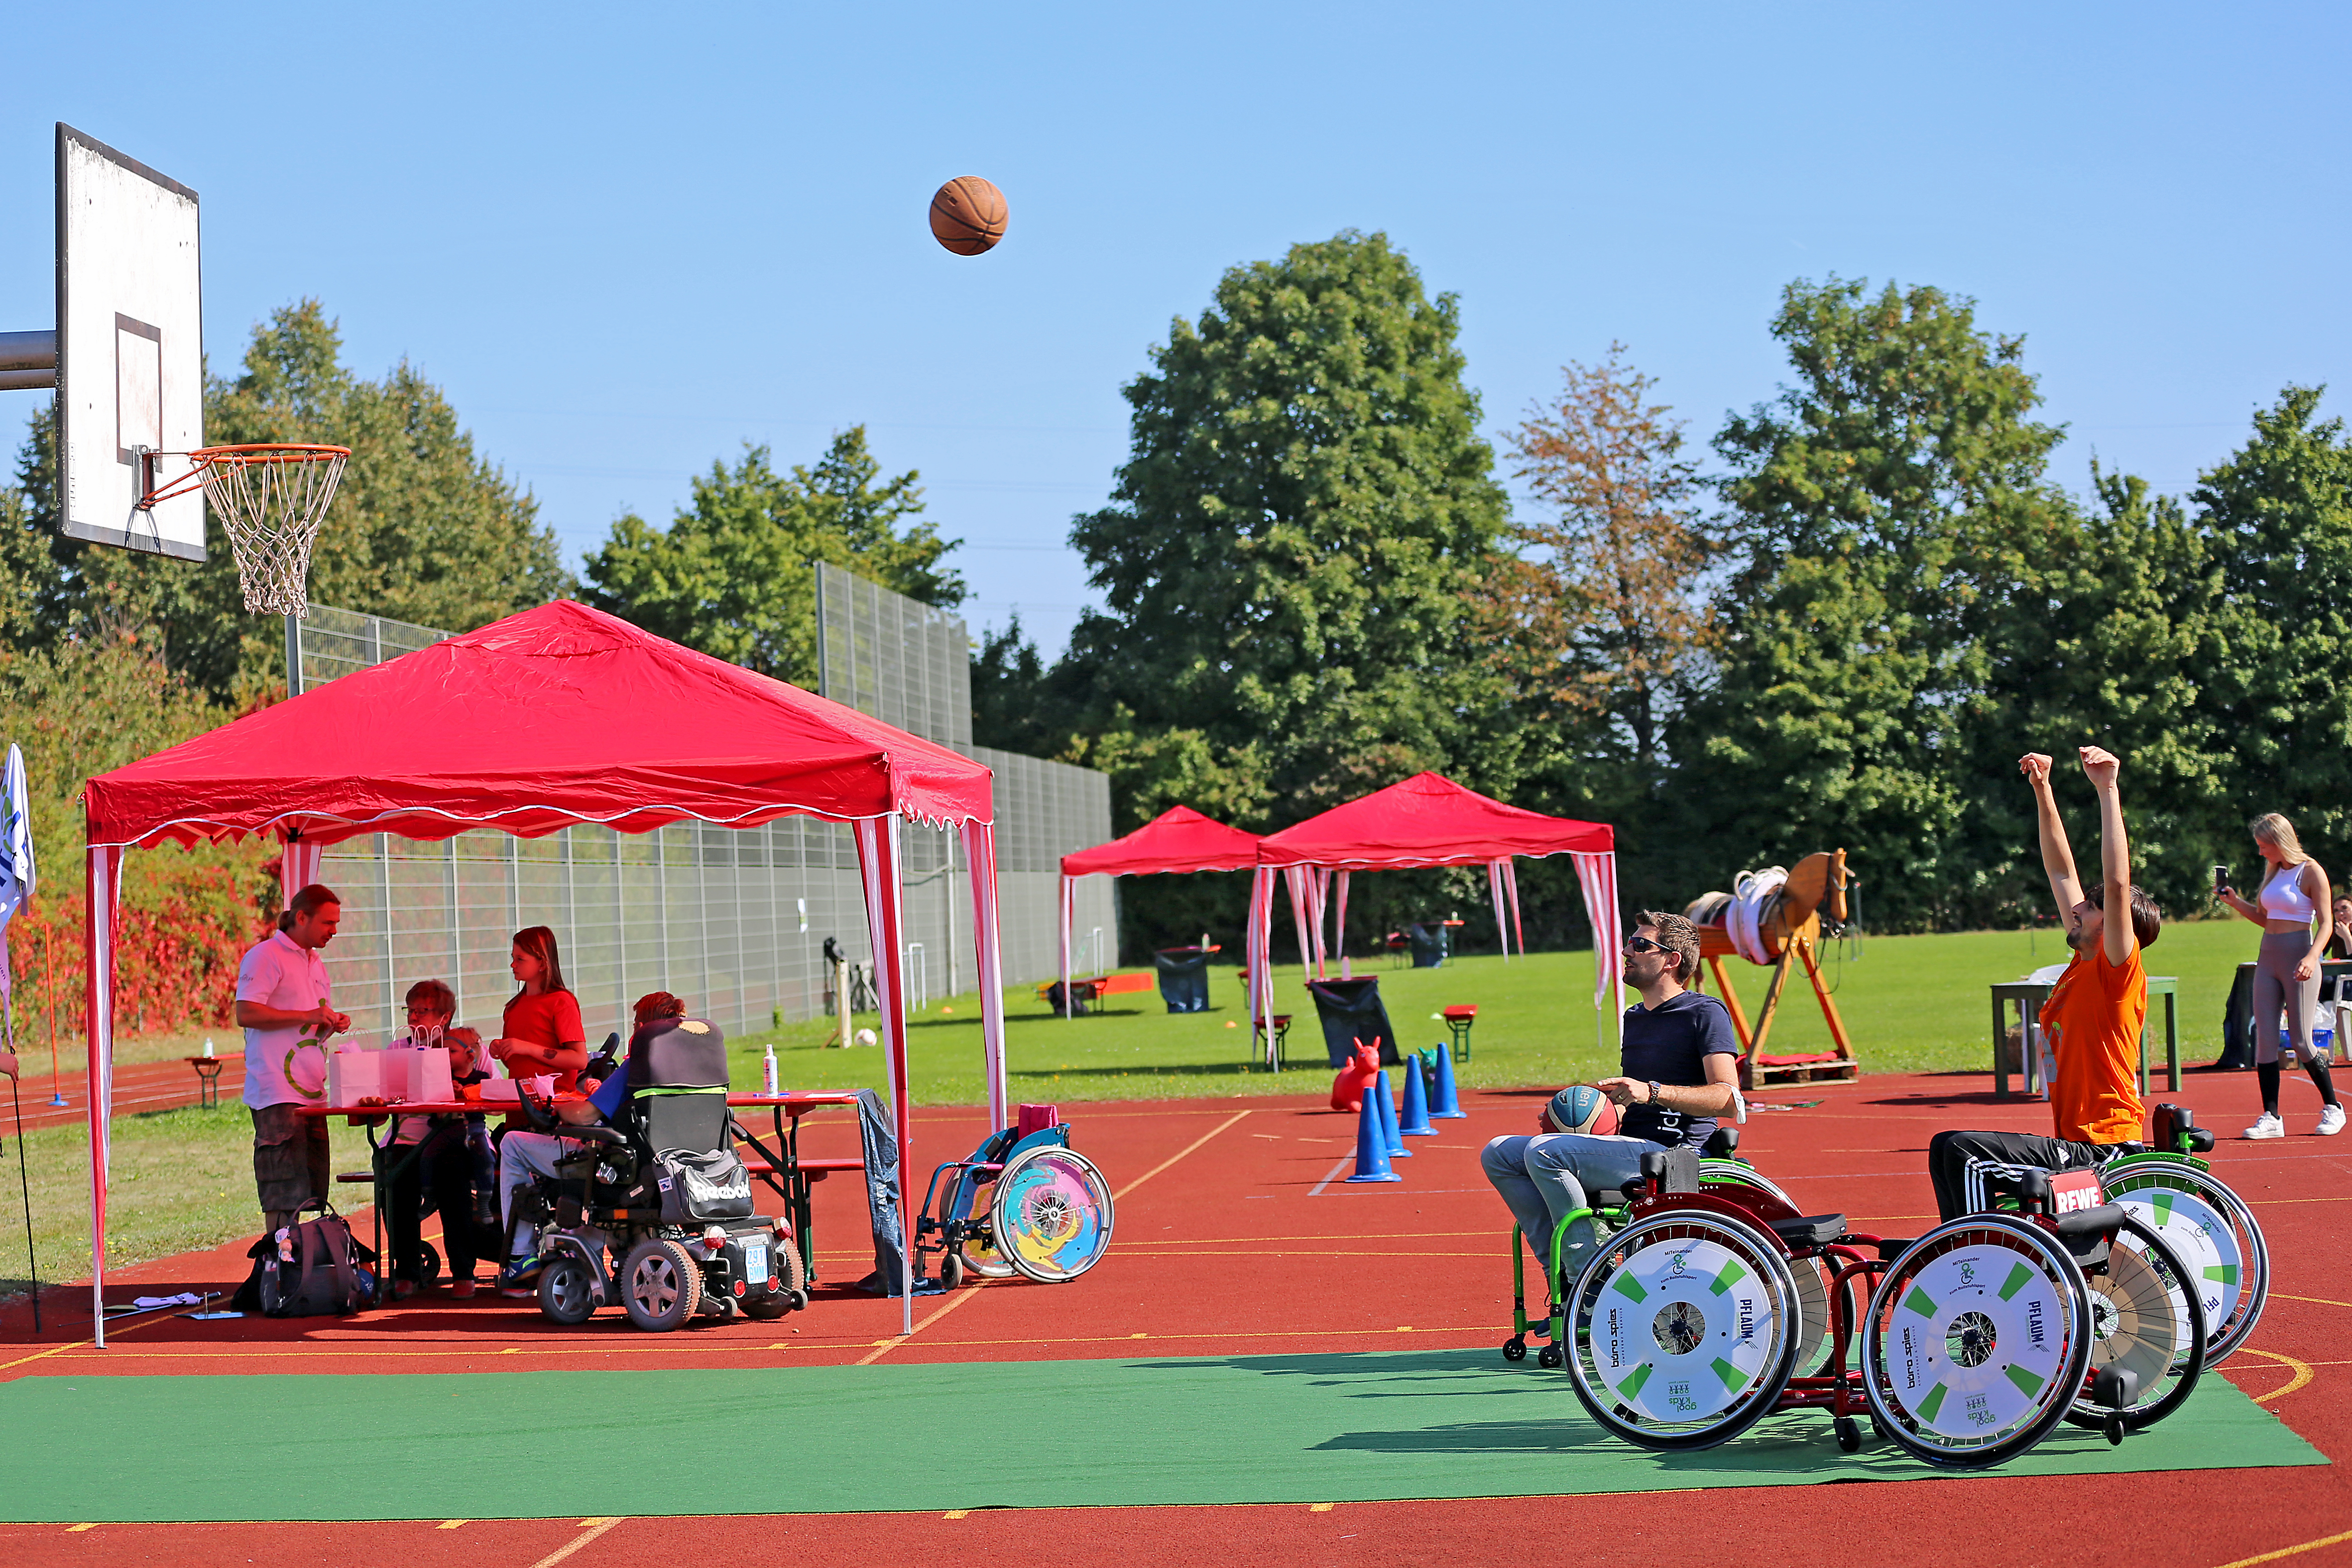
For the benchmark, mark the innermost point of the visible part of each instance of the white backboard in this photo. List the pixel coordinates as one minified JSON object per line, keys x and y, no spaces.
{"x":131,"y":349}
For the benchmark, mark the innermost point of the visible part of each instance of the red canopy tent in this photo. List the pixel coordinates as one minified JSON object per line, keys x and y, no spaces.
{"x":1177,"y":839}
{"x":1428,"y":820}
{"x":559,"y":715}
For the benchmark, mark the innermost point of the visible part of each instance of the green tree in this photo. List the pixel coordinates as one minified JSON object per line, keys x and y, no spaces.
{"x":1291,"y":547}
{"x":733,"y":575}
{"x":2279,"y":514}
{"x":423,"y":528}
{"x":1887,"y":505}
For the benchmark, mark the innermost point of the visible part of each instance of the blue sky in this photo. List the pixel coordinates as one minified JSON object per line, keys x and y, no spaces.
{"x":629,"y":239}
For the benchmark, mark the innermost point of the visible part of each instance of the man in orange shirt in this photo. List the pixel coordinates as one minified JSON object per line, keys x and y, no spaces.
{"x":2094,"y":1017}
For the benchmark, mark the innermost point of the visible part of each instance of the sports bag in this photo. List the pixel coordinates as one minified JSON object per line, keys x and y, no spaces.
{"x":309,"y":1269}
{"x":697,"y":1188}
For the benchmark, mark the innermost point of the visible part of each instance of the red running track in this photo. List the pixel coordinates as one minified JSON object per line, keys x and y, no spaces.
{"x":1233,"y":1239}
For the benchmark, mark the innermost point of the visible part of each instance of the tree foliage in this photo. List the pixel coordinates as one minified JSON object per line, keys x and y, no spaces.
{"x":733,"y":574}
{"x":1290,"y":547}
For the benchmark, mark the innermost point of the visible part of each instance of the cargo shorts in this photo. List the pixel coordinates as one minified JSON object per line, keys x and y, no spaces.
{"x":289,"y":1159}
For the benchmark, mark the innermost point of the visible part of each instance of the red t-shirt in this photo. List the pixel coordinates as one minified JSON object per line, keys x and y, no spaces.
{"x":551,"y":1019}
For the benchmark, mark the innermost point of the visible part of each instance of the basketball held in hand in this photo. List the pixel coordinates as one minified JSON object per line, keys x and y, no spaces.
{"x":968,"y":215}
{"x":1581,"y":1108}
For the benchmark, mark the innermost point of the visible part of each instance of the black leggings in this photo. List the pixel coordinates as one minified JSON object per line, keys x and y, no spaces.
{"x":2267,"y":1074}
{"x":1948,"y":1155}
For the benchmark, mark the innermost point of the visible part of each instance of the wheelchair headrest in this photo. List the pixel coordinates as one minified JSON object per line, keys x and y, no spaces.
{"x":677,"y":1053}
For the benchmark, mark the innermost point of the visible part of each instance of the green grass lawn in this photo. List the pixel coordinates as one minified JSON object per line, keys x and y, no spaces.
{"x":184,"y":1179}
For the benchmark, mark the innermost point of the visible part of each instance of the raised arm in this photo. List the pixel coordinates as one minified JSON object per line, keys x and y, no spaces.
{"x":2114,"y":855}
{"x":2057,"y":858}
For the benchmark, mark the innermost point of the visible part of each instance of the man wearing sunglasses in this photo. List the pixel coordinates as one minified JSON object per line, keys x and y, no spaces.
{"x":1680,"y":1075}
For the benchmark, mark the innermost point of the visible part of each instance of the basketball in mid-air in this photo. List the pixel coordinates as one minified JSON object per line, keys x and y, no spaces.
{"x":1581,"y":1108}
{"x":968,"y":215}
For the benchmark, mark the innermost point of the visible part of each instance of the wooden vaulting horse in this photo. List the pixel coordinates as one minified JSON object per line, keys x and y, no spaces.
{"x":1779,"y":925}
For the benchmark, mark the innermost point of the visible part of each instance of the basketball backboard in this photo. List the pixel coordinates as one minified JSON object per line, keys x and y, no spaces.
{"x":130,"y":350}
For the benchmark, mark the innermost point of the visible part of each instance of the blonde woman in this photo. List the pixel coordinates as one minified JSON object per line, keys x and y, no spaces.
{"x":2297,"y":915}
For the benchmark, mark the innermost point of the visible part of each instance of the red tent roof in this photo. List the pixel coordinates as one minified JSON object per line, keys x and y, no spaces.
{"x":557,"y":716}
{"x":1179,"y":839}
{"x":1428,"y":820}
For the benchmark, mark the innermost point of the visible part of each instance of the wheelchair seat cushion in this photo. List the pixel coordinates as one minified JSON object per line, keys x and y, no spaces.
{"x":1811,"y":1230}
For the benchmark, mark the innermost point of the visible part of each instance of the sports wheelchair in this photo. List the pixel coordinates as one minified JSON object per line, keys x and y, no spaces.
{"x":661,"y":1194}
{"x":1719,"y":1165}
{"x":1049,"y":1214}
{"x":1719,"y":1303}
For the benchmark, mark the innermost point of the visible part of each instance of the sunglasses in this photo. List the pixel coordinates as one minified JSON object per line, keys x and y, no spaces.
{"x":1643,"y":944}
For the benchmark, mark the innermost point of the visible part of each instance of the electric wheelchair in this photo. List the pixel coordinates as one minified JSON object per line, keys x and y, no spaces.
{"x":653,"y":1212}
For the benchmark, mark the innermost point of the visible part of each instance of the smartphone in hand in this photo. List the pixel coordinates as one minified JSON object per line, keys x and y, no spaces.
{"x":2221,"y":879}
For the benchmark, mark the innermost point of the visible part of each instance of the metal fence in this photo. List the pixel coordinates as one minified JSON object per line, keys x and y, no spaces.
{"x":733,"y":920}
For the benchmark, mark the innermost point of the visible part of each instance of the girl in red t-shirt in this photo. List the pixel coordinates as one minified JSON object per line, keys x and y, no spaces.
{"x":544,"y":1033}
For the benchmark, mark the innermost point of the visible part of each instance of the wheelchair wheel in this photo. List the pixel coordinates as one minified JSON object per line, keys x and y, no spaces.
{"x":566,"y":1291}
{"x":1051,"y":1215}
{"x":1734,"y":1173}
{"x":2214,"y":1234}
{"x":1683,"y":1328}
{"x":661,"y":1286}
{"x":428,"y":1265}
{"x":2142,"y":1322}
{"x":1977,"y":1341}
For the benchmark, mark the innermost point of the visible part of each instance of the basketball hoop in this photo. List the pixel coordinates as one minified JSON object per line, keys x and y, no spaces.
{"x":269,"y":497}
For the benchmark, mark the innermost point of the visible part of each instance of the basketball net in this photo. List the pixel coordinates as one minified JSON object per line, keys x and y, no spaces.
{"x":271,"y":498}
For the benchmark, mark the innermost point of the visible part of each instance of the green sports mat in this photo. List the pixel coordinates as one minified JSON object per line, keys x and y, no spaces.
{"x":1282,"y":1428}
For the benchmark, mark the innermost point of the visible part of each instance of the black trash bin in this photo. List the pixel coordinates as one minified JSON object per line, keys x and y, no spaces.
{"x":1351,"y":1011}
{"x":1433,"y":943}
{"x":1184,"y":979}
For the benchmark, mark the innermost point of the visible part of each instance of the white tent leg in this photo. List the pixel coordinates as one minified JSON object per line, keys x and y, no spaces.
{"x":877,"y":863}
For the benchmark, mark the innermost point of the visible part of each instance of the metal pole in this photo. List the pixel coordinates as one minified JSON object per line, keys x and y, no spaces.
{"x":293,"y":656}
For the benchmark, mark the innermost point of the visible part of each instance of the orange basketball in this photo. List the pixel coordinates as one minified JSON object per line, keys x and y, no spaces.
{"x":968,"y":215}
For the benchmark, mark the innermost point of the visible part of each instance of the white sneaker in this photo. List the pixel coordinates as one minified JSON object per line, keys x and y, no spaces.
{"x":2267,"y":1126}
{"x":2331,"y":1121}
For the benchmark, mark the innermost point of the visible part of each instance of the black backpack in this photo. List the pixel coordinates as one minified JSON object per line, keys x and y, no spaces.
{"x":308,"y":1270}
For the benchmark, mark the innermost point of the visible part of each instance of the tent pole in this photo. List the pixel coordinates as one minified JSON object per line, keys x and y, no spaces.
{"x":979,"y":864}
{"x":878,"y":860}
{"x":101,"y":887}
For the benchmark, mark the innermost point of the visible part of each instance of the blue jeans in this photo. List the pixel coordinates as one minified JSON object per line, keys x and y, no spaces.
{"x":1545,"y":1178}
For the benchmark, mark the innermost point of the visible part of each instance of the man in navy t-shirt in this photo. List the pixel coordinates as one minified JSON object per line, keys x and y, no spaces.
{"x":1682,"y":1075}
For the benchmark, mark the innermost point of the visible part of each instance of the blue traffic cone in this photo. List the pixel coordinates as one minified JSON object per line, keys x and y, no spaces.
{"x":1373,"y":1140}
{"x":1397,"y":1151}
{"x":1446,"y":1106}
{"x":1415,"y":1123}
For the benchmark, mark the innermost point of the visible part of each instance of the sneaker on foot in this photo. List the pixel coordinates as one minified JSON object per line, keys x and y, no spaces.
{"x":2267,"y":1126}
{"x":2331,"y":1121}
{"x":461,"y":1289}
{"x":518,"y":1277}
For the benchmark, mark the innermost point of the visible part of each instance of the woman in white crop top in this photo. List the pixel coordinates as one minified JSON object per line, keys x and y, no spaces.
{"x":2296,"y":915}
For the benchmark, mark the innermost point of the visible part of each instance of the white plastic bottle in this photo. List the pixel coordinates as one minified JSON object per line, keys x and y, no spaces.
{"x":768,"y":1072}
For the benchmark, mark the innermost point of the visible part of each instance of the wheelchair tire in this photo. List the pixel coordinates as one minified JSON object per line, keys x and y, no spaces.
{"x":2215,"y":1234}
{"x":1976,"y":1341}
{"x":428,"y":1265}
{"x":1051,"y":1215}
{"x":661,"y":1286}
{"x":1737,"y":1173}
{"x":1683,"y":1327}
{"x":952,"y":1271}
{"x":2144,"y":1319}
{"x":566,"y":1291}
